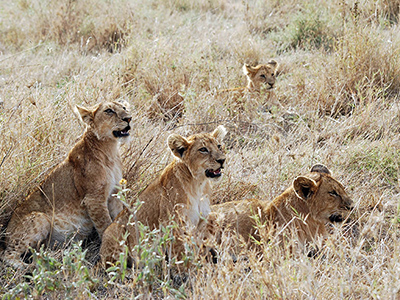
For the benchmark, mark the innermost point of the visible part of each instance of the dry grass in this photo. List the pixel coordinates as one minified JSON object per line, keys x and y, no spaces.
{"x":338,"y":83}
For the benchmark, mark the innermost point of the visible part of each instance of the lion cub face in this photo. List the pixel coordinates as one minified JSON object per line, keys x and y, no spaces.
{"x":325,"y":195}
{"x":109,"y":120}
{"x":261,"y":75}
{"x":202,"y":153}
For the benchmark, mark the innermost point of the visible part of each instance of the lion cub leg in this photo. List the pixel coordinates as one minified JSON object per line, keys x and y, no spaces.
{"x":114,"y":243}
{"x":208,"y":231}
{"x":115,"y":206}
{"x":30,"y":231}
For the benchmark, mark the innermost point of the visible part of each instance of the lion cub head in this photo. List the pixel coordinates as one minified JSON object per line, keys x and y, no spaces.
{"x":261,"y":75}
{"x":202,"y":153}
{"x":325,"y":196}
{"x":108,"y":120}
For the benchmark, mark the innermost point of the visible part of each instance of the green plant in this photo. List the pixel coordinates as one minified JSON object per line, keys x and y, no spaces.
{"x":383,"y":162}
{"x":307,"y":31}
{"x":151,"y":271}
{"x":50,"y":276}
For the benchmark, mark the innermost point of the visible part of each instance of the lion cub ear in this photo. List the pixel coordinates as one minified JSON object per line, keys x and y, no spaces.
{"x":178,"y":145}
{"x":320,"y":169}
{"x":304,"y":187}
{"x":247,"y":69}
{"x":87,"y":114}
{"x":219,"y":133}
{"x":273,"y":63}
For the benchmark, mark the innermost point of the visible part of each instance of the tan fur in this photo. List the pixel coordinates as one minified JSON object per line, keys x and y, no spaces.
{"x":303,"y":209}
{"x":263,"y":75}
{"x":182,"y":191}
{"x":259,"y":78}
{"x":76,"y":195}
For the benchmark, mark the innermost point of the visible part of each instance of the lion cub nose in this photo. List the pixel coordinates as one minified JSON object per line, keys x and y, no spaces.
{"x":349,"y":204}
{"x":221,"y":161}
{"x":127,"y":119}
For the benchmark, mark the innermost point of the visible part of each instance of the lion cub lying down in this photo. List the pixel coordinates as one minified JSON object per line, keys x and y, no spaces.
{"x":76,"y":195}
{"x":182,"y":191}
{"x":303,"y":209}
{"x":258,"y":77}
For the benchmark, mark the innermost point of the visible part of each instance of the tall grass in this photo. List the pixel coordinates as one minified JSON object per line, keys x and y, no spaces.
{"x":337,"y":84}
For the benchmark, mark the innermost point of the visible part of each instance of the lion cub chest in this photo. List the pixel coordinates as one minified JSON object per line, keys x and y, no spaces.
{"x":114,"y":174}
{"x":199,"y":204}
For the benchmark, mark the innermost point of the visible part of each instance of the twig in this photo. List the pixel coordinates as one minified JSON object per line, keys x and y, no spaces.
{"x":140,"y":154}
{"x":5,"y":156}
{"x":198,"y":124}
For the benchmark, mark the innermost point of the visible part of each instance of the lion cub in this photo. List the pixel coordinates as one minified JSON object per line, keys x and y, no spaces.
{"x":182,"y":191}
{"x":260,"y":75}
{"x":259,"y":78}
{"x":303,"y":209}
{"x":76,"y":195}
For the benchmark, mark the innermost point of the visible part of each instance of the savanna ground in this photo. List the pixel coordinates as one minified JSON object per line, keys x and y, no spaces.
{"x":338,"y":86}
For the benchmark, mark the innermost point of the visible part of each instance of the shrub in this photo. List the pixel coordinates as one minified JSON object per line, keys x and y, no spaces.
{"x":50,"y":277}
{"x":365,"y":69}
{"x":153,"y":266}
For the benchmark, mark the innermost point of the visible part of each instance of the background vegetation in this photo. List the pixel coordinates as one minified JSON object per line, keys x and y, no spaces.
{"x":338,"y":86}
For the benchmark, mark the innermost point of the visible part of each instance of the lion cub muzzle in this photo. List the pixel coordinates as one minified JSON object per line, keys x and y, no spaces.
{"x":216,"y":173}
{"x":124,"y":132}
{"x":337,"y":217}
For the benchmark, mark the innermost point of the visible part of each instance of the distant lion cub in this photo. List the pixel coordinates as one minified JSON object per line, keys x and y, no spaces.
{"x":182,"y":190}
{"x":260,"y":75}
{"x":263,"y":75}
{"x":259,"y":78}
{"x":76,"y":195}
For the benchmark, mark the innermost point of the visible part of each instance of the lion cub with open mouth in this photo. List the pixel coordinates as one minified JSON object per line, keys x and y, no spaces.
{"x":182,"y":191}
{"x":312,"y":201}
{"x":77,"y":195}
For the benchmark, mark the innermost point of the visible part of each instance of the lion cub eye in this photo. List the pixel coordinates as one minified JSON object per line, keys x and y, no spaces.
{"x":109,"y":111}
{"x":203,"y":150}
{"x":333,"y":193}
{"x":272,"y":74}
{"x":219,"y":147}
{"x":262,"y":76}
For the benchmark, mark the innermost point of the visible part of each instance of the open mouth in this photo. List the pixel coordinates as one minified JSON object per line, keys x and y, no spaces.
{"x":213,"y":173}
{"x":336,"y":218}
{"x":122,"y":133}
